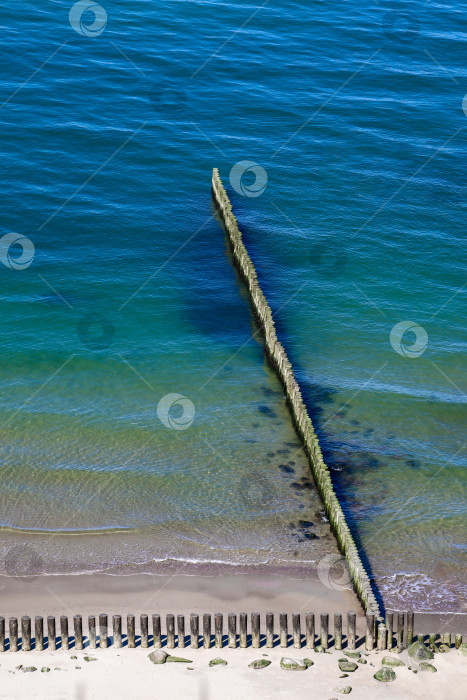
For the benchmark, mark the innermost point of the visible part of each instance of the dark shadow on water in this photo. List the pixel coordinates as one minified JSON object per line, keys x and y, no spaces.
{"x":214,"y":302}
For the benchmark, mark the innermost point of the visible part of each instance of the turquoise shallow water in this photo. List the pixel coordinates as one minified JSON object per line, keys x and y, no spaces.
{"x":108,"y":142}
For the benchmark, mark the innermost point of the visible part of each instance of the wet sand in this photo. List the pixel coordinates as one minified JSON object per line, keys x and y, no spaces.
{"x":176,"y":593}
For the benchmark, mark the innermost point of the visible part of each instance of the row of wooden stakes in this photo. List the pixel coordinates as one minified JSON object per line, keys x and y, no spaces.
{"x":380,"y":635}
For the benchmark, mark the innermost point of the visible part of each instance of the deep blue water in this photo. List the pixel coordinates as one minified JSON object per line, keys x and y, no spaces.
{"x":354,"y":114}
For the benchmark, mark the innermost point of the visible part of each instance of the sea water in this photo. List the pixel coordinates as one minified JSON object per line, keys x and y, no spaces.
{"x":125,"y":300}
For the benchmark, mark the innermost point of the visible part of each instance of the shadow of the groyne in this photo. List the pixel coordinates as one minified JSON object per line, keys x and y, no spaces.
{"x":212,"y":302}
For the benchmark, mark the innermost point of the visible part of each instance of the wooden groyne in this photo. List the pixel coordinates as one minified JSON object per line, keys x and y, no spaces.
{"x":301,"y":419}
{"x":243,"y":630}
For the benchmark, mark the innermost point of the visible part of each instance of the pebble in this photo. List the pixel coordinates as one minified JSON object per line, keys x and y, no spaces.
{"x":385,"y":675}
{"x":288,"y":664}
{"x":391,"y":661}
{"x":345,"y":665}
{"x":218,"y":662}
{"x":425,"y":666}
{"x":259,"y":663}
{"x":352,"y":654}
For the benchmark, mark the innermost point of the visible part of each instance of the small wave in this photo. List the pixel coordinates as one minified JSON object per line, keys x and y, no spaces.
{"x":421,"y":592}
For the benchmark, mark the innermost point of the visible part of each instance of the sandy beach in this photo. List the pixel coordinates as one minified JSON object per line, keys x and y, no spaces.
{"x":129,"y":673}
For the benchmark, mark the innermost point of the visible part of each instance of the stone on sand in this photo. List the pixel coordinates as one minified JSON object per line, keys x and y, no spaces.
{"x":419,"y":652}
{"x":293,"y":664}
{"x":385,"y":675}
{"x":392,"y":661}
{"x":218,"y":662}
{"x":158,"y":656}
{"x":259,"y":663}
{"x":425,"y":666}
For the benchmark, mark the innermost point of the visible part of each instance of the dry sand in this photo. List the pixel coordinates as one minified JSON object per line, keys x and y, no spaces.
{"x":128,"y":673}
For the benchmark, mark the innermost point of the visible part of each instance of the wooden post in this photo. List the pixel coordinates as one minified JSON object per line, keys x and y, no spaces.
{"x":92,"y":632}
{"x":194,"y":630}
{"x":269,"y":630}
{"x":64,"y":631}
{"x":400,"y":630}
{"x":117,"y":631}
{"x":130,"y":631}
{"x":103,"y":631}
{"x":13,"y":634}
{"x":143,"y":625}
{"x":337,"y":632}
{"x":78,"y":630}
{"x":232,"y":630}
{"x":410,"y":619}
{"x":218,"y":630}
{"x":382,"y":643}
{"x":432,"y":641}
{"x":243,"y":630}
{"x":181,"y":631}
{"x":156,"y":631}
{"x":351,"y":629}
{"x":458,"y":641}
{"x":324,"y":630}
{"x":2,"y":634}
{"x":283,"y":632}
{"x":390,"y":628}
{"x":51,"y":633}
{"x":370,"y":632}
{"x":170,"y":627}
{"x":207,"y":627}
{"x":296,"y":631}
{"x":255,"y":630}
{"x":310,"y":630}
{"x":26,"y":633}
{"x":447,"y":639}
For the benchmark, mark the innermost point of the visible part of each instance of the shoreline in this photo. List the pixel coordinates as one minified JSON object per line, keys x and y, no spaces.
{"x":184,"y":593}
